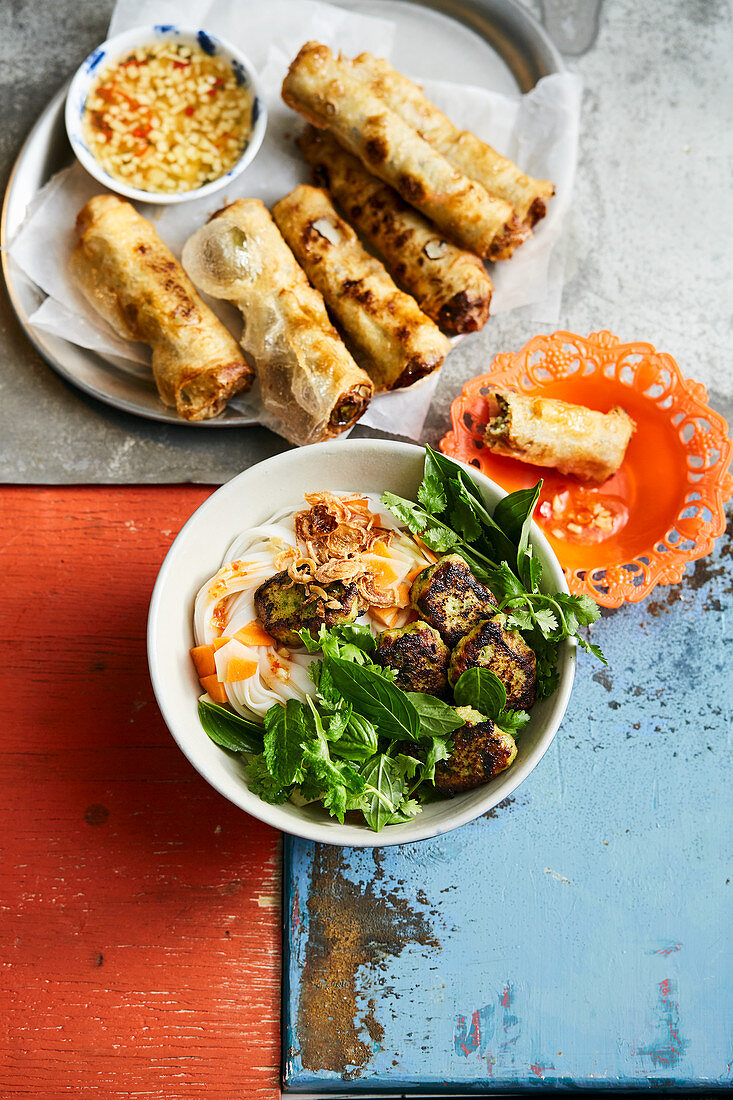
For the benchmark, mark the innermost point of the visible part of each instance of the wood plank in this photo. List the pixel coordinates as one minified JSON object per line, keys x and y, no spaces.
{"x":139,"y":909}
{"x":576,"y":936}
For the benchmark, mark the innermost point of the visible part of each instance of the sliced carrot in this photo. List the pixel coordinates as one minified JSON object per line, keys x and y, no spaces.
{"x":385,"y":615}
{"x":414,"y":573}
{"x":239,"y":669}
{"x":203,"y":658}
{"x":215,"y":688}
{"x":219,"y":642}
{"x":384,"y":572}
{"x":403,"y":595}
{"x":381,"y":549}
{"x":254,"y":633}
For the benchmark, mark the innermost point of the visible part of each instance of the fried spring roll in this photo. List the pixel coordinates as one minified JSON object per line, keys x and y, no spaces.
{"x":450,"y":285}
{"x":391,"y":338}
{"x":546,"y":432}
{"x":477,"y":160}
{"x":129,"y":276}
{"x":327,"y":92}
{"x":310,"y":386}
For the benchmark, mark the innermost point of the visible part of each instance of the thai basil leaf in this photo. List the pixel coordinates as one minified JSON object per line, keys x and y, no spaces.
{"x":287,"y":730}
{"x":376,"y":698}
{"x":229,"y":730}
{"x":359,"y":740}
{"x":514,"y":513}
{"x":437,"y":719}
{"x":383,"y":792}
{"x":481,"y":689}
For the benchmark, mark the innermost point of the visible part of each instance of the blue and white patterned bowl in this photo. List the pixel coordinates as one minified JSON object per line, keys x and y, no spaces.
{"x":113,"y":50}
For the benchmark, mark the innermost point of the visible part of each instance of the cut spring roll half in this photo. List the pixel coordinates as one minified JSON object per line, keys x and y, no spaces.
{"x":310,"y":386}
{"x":547,"y":432}
{"x":390,"y":336}
{"x":328,"y":93}
{"x":129,"y":276}
{"x":477,"y":160}
{"x":450,"y":284}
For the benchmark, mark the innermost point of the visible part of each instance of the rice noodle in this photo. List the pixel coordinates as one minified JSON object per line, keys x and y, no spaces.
{"x":225,"y":603}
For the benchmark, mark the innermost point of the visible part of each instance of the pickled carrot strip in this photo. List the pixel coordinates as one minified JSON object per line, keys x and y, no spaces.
{"x":385,"y":615}
{"x":214,"y":688}
{"x":239,"y":669}
{"x":254,"y":633}
{"x":203,"y":658}
{"x":403,"y":595}
{"x":380,"y":549}
{"x":384,"y":572}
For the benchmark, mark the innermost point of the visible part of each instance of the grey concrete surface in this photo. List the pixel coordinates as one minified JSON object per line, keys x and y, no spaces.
{"x":648,"y":235}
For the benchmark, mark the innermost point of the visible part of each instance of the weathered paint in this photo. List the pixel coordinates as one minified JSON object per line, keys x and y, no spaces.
{"x":577,"y":935}
{"x":139,"y":910}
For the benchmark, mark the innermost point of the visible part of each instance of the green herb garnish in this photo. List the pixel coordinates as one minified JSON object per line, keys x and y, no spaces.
{"x":362,"y":743}
{"x":451,"y":517}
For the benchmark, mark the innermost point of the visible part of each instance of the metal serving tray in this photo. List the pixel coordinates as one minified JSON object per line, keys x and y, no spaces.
{"x":496,"y":43}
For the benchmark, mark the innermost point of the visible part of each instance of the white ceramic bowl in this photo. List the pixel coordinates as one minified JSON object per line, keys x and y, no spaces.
{"x":249,"y":499}
{"x":123,"y":44}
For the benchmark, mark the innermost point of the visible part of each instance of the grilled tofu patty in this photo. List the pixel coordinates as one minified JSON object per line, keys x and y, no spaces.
{"x":480,"y":751}
{"x":285,"y":607}
{"x":448,"y":596}
{"x":418,"y":654}
{"x":505,"y":653}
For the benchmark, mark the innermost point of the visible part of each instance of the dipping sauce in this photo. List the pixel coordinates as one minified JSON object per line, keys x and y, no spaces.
{"x":583,"y":515}
{"x":168,"y":118}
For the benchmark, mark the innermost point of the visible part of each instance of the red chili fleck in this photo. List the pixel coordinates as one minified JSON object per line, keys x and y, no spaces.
{"x":189,"y":111}
{"x":218,"y":83}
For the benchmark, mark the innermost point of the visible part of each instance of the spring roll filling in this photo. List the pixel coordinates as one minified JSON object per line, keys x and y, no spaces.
{"x":350,"y":408}
{"x":500,"y":424}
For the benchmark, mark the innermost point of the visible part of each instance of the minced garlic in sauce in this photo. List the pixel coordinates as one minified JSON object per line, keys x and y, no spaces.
{"x":168,"y":118}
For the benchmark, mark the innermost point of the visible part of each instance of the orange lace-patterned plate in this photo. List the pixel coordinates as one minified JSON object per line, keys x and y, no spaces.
{"x":661,"y":510}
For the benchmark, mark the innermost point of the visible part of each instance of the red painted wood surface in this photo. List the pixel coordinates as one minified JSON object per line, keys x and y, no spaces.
{"x":139,"y":910}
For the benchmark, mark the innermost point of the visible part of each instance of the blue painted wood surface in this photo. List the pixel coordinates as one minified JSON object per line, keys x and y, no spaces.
{"x":580,"y":933}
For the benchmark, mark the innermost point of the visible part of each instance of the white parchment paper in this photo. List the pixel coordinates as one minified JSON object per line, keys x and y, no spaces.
{"x":539,"y":131}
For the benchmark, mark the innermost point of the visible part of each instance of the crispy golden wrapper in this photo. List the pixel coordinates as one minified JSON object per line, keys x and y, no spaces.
{"x":477,"y":160}
{"x":327,"y":91}
{"x":547,"y":432}
{"x":310,"y":386}
{"x":135,"y":282}
{"x":393,"y":340}
{"x":449,"y":284}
